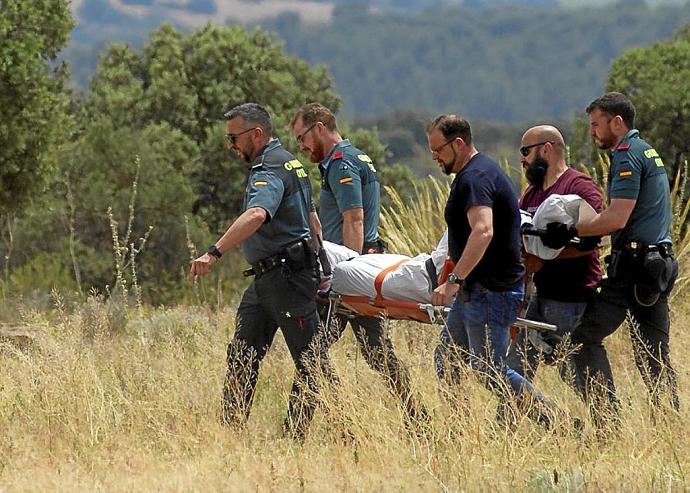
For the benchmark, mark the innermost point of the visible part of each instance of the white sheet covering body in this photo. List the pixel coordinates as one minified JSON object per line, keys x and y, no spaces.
{"x":567,"y":209}
{"x":355,"y":275}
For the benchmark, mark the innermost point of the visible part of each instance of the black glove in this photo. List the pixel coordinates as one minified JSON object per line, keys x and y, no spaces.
{"x":588,"y":243}
{"x":558,"y":235}
{"x":526,"y":228}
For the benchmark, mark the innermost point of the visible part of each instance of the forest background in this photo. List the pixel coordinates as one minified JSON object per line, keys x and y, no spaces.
{"x":114,"y":174}
{"x":119,"y":113}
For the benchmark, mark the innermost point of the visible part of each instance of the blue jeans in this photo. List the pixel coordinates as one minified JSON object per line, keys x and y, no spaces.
{"x":523,"y":357}
{"x":477,"y":333}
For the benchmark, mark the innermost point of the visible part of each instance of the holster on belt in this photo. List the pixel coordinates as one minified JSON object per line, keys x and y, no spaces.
{"x":650,"y":267}
{"x":296,"y":256}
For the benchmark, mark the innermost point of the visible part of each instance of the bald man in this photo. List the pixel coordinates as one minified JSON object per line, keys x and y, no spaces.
{"x":564,"y":284}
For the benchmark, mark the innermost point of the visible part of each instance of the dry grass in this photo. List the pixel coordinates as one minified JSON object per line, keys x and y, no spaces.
{"x":117,"y":398}
{"x":120,"y":399}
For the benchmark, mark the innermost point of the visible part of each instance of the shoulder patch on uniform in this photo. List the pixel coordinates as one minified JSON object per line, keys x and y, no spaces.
{"x":623,"y":147}
{"x":338,"y":155}
{"x":345,"y":180}
{"x":364,"y":157}
{"x":625,"y":173}
{"x":260,"y":183}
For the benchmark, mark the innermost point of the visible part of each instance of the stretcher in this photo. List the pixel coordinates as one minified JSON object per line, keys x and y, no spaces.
{"x":351,"y":306}
{"x":566,"y":208}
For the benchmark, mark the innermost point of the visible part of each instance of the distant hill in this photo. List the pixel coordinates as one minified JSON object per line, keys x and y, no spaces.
{"x":504,"y":64}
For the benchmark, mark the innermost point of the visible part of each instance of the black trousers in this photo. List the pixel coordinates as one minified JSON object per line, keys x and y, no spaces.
{"x":377,"y":348}
{"x":649,"y":332}
{"x":279,"y":298}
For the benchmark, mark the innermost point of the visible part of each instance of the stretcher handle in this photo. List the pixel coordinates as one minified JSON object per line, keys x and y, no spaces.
{"x":523,"y":323}
{"x":532,"y":231}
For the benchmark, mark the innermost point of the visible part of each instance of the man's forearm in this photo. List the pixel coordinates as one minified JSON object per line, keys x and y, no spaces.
{"x":353,"y":235}
{"x":316,"y":231}
{"x":609,"y":221}
{"x":243,"y":227}
{"x":476,"y":246}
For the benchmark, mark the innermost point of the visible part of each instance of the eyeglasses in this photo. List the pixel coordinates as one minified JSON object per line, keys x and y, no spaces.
{"x":525,"y":150}
{"x":232,"y":138}
{"x":438,"y":149}
{"x":301,"y":136}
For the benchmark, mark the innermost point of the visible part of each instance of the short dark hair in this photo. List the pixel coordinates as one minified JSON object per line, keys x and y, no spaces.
{"x":615,"y":104}
{"x":315,"y":112}
{"x":451,"y":126}
{"x":252,"y":113}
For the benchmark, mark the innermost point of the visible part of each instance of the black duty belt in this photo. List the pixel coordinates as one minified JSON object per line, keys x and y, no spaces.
{"x":638,"y":249}
{"x":294,"y":254}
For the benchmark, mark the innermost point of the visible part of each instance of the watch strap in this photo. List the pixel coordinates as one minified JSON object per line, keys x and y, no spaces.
{"x":454,"y":279}
{"x":213,"y":250}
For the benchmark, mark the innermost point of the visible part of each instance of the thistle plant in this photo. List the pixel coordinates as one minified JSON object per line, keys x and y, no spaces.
{"x":126,"y":250}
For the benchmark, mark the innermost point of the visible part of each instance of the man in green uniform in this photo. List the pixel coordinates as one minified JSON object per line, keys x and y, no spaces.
{"x":274,"y":231}
{"x":349,"y":212}
{"x":641,"y":269}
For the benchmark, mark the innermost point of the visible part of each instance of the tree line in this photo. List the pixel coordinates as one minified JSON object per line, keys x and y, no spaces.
{"x":507,"y":63}
{"x":123,"y":181}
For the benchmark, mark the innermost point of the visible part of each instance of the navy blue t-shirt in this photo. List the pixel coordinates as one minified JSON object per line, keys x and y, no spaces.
{"x":482,"y":183}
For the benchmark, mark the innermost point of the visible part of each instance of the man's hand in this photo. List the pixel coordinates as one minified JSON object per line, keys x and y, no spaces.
{"x":532,"y":264}
{"x":442,"y":294}
{"x":201,"y":266}
{"x":558,"y":235}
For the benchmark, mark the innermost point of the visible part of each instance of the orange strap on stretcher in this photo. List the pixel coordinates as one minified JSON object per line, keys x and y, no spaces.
{"x":378,"y":282}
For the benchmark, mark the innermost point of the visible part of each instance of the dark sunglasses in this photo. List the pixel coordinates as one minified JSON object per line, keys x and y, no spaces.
{"x":525,"y":150}
{"x":232,"y":138}
{"x":301,"y":136}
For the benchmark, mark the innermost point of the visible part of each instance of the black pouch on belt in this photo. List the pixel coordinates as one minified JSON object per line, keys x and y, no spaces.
{"x":656,"y":269}
{"x":300,"y":255}
{"x":653,"y":276}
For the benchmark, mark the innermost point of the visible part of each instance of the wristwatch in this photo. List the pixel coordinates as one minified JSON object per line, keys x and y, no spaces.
{"x":213,"y":250}
{"x":454,"y":279}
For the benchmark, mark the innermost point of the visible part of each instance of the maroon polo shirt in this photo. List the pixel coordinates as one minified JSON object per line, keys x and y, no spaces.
{"x":572,"y":279}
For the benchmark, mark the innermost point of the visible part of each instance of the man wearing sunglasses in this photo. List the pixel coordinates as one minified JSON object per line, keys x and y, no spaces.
{"x":641,"y":268}
{"x":483,"y":221}
{"x":274,"y":233}
{"x":564,"y":284}
{"x":349,"y":212}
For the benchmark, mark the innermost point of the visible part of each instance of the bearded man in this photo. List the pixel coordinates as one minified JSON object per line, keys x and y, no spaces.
{"x":564,"y":284}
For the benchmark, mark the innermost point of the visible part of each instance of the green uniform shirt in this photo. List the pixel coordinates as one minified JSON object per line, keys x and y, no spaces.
{"x":278,"y":183}
{"x":349,"y":181}
{"x":637,"y":172}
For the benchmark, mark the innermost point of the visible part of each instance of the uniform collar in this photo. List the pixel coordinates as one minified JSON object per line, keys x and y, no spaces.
{"x":633,"y":133}
{"x":339,"y":146}
{"x":259,"y":159}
